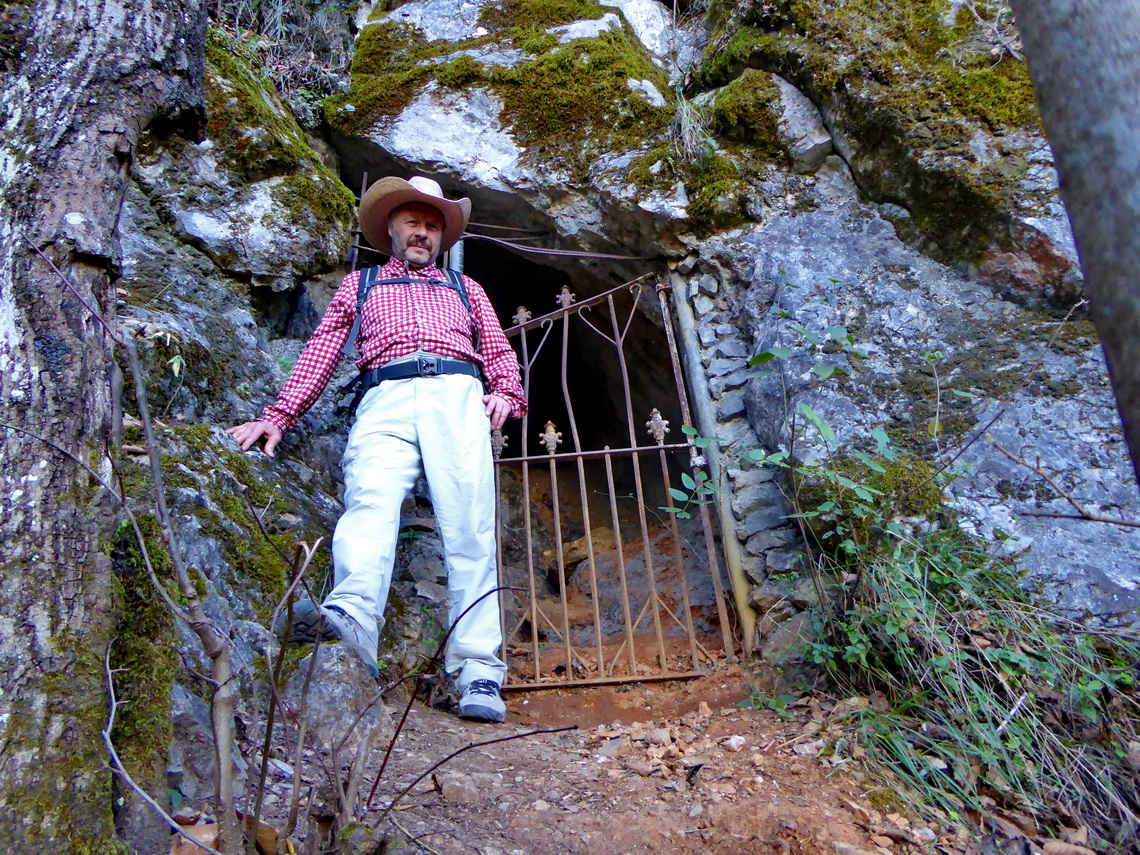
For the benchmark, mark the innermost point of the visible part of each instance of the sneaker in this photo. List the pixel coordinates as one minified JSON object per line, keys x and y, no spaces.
{"x":308,"y":621}
{"x":482,"y":700}
{"x":330,"y":624}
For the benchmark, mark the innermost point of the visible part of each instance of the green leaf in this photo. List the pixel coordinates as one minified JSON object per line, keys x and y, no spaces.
{"x":838,"y":333}
{"x":823,"y":370}
{"x":669,"y":510}
{"x":760,"y":375}
{"x":689,"y":430}
{"x":684,"y":515}
{"x":688,"y":481}
{"x":881,"y":439}
{"x":935,"y":427}
{"x":812,"y":416}
{"x":808,"y":334}
{"x":761,"y":358}
{"x":967,"y":395}
{"x":702,"y":442}
{"x":869,"y":463}
{"x":679,"y":495}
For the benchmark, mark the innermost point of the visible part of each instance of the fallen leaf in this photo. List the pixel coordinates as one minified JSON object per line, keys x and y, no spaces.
{"x":1059,"y":847}
{"x":206,"y":832}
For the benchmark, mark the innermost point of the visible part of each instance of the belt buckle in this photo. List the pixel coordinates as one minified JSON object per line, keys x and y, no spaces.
{"x":430,"y":366}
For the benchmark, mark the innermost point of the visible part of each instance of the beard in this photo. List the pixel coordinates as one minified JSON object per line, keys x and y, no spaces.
{"x":422,"y":255}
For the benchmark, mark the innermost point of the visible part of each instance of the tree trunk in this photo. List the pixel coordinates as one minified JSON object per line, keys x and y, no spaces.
{"x":1084,"y":59}
{"x":80,"y":81}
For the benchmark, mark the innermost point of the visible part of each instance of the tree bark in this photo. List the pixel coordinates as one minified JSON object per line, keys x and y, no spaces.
{"x":1084,"y":59}
{"x":79,"y":82}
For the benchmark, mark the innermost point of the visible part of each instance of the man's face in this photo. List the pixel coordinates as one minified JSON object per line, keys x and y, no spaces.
{"x":416,"y":230}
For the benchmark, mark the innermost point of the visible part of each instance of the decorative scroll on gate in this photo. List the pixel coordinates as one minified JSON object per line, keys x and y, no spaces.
{"x":614,"y":605}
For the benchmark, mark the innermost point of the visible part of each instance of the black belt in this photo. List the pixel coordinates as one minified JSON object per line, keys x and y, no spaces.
{"x":422,"y":366}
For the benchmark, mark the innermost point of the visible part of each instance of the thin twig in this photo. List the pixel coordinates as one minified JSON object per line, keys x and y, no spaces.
{"x":455,"y":754}
{"x":1087,"y":517}
{"x":67,"y":284}
{"x":121,"y":771}
{"x":1081,"y":512}
{"x":1013,"y":712}
{"x":996,"y":31}
{"x":433,"y":663}
{"x":417,"y":840}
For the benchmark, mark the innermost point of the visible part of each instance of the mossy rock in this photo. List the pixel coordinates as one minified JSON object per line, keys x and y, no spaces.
{"x":909,"y":86}
{"x":565,"y":105}
{"x":748,"y":110}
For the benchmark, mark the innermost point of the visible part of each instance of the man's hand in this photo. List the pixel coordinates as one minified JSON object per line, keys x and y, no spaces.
{"x":497,"y":410}
{"x":249,"y":433}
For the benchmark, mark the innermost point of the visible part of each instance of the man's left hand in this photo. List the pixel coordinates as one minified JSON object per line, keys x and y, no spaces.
{"x":497,"y":410}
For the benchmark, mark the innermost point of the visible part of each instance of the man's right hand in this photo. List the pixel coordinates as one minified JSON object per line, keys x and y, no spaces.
{"x":250,"y":432}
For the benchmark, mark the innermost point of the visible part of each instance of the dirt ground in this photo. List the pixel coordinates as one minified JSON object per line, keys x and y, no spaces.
{"x":667,"y":768}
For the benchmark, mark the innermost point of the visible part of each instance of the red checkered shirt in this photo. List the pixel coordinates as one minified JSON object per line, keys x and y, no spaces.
{"x":399,"y":320}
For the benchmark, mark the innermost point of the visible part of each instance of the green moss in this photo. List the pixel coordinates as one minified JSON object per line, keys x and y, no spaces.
{"x":567,"y":104}
{"x":518,"y":19}
{"x":229,"y":484}
{"x":747,"y":110}
{"x":459,"y":72}
{"x":906,"y":487}
{"x":575,"y":101}
{"x":143,"y":656}
{"x":393,"y":60}
{"x":317,"y":196}
{"x":639,"y":168}
{"x":65,"y":798}
{"x":908,"y":89}
{"x":260,"y":137}
{"x":716,"y":194}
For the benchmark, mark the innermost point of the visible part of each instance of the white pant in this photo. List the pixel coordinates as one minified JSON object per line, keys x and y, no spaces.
{"x":437,"y":426}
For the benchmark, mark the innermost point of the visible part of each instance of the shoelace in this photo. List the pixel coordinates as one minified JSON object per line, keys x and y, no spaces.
{"x":483,"y":687}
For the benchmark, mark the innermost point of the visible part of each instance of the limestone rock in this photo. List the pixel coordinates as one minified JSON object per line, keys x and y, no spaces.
{"x":342,"y":704}
{"x":802,"y":128}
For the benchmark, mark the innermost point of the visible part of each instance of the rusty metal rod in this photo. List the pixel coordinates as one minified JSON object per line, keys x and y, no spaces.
{"x":561,"y":569}
{"x":639,"y":491}
{"x":594,"y":454}
{"x":510,"y":332}
{"x":603,"y":681}
{"x":626,"y":611}
{"x":684,"y":578}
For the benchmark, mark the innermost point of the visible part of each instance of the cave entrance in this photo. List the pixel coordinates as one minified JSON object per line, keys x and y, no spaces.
{"x":606,"y":586}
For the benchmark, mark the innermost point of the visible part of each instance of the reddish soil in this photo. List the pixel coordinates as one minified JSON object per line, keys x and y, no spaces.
{"x":664,"y":768}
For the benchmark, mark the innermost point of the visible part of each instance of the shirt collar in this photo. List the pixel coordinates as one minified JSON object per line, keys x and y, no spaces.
{"x":396,"y":268}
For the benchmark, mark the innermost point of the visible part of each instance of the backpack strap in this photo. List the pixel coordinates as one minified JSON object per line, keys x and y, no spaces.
{"x":368,"y":280}
{"x":455,"y":280}
{"x":364,"y":285}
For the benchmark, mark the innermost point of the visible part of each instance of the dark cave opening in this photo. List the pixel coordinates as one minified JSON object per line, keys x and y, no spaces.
{"x":593,"y":371}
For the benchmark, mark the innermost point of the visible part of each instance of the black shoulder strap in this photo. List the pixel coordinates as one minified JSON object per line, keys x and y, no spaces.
{"x":364,"y":285}
{"x":368,"y":280}
{"x":455,"y":280}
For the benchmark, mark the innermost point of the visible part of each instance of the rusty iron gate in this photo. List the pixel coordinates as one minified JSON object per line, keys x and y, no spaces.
{"x":606,"y":608}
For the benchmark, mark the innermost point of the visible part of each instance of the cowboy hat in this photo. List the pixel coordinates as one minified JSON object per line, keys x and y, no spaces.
{"x":390,"y":192}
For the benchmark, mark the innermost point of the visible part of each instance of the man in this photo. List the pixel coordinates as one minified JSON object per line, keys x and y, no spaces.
{"x":427,"y":413}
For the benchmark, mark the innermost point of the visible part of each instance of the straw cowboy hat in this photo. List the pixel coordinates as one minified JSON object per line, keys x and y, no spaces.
{"x":390,"y":192}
